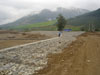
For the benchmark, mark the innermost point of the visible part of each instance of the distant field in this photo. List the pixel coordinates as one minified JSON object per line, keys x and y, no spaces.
{"x":32,"y":26}
{"x":74,"y":28}
{"x":54,"y":28}
{"x":43,"y":26}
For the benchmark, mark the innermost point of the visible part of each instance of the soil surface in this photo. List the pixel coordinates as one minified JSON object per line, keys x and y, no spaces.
{"x":13,"y":38}
{"x":82,"y":57}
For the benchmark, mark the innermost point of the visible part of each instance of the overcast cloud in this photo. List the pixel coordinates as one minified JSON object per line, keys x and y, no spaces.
{"x":11,"y":10}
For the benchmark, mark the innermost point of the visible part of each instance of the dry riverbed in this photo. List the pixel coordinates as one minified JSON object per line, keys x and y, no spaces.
{"x":13,"y":38}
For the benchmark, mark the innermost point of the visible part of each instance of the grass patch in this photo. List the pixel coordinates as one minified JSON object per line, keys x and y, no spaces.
{"x":31,"y":26}
{"x":43,"y":26}
{"x":74,"y":28}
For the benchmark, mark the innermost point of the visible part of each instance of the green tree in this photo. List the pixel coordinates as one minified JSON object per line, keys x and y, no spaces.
{"x":61,"y":22}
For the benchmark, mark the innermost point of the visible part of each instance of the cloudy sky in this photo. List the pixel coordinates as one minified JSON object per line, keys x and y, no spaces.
{"x":13,"y":9}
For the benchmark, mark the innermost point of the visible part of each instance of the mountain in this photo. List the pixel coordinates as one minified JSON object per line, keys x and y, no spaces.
{"x":48,"y":15}
{"x":92,"y":18}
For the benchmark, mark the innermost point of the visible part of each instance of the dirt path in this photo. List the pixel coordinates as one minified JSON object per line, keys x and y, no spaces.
{"x":82,"y":57}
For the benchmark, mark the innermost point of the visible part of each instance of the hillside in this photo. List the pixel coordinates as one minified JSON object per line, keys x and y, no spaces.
{"x":43,"y":26}
{"x":35,"y":26}
{"x":86,"y":19}
{"x":48,"y":15}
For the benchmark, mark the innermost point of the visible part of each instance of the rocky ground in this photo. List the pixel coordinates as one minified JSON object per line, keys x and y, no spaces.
{"x":82,"y":57}
{"x":27,"y":59}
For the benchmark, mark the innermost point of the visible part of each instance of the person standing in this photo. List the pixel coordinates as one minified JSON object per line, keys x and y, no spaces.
{"x":59,"y":34}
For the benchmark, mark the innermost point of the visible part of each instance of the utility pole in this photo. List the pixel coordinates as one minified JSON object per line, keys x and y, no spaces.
{"x":89,"y":28}
{"x":93,"y":26}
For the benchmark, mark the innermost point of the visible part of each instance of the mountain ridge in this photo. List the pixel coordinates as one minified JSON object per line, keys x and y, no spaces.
{"x":46,"y":15}
{"x":91,"y":18}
